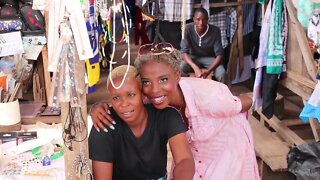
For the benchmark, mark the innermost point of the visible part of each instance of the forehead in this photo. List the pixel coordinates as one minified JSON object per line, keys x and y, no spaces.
{"x":152,"y":69}
{"x":200,"y":14}
{"x":129,"y":84}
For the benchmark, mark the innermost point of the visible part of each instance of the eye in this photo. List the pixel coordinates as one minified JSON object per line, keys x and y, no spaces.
{"x":146,"y":83}
{"x":163,"y":80}
{"x":115,"y":98}
{"x":131,"y":94}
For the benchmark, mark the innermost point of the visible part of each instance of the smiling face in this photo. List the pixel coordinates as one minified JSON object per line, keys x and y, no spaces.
{"x":160,"y":83}
{"x":127,"y":100}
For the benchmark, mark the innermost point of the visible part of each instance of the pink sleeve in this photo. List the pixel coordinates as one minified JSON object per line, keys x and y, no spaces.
{"x":217,"y":100}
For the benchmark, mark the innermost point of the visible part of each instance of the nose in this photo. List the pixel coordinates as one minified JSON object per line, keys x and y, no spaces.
{"x":124,"y":102}
{"x":155,"y":88}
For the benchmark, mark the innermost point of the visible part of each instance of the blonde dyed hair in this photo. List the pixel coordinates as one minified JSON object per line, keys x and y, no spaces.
{"x":121,"y":72}
{"x":173,"y":59}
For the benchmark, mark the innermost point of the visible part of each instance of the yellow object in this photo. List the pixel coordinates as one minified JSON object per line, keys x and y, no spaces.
{"x":93,"y":72}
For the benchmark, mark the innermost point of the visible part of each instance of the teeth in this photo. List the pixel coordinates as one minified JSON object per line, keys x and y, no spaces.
{"x":127,"y":113}
{"x":158,"y":99}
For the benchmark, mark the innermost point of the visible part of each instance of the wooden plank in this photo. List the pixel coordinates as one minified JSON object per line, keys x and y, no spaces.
{"x":268,"y":147}
{"x":299,"y":84}
{"x":315,"y":126}
{"x":286,"y":133}
{"x":302,"y":39}
{"x":47,"y":78}
{"x":240,"y":36}
{"x":301,"y":79}
{"x":292,"y":122}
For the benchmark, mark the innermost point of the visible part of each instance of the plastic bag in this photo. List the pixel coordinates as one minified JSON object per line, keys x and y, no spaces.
{"x":304,"y":161}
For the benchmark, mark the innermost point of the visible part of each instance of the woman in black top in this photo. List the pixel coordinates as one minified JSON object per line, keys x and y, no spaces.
{"x":136,"y":149}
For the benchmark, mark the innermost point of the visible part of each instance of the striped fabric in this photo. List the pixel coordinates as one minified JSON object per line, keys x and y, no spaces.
{"x":170,"y":10}
{"x":248,"y":11}
{"x":219,"y":20}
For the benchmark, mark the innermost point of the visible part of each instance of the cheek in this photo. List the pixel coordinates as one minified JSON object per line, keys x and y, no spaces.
{"x":145,"y":90}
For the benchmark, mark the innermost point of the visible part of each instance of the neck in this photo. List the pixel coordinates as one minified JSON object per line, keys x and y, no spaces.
{"x":140,"y":125}
{"x":202,"y":31}
{"x":179,"y":103}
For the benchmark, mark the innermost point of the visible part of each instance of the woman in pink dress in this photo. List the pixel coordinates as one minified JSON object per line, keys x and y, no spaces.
{"x":219,"y":134}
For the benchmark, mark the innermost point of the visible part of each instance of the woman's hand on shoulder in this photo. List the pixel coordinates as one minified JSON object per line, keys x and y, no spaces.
{"x":101,"y":118}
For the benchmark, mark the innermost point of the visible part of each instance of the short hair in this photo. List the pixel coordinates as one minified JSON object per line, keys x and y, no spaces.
{"x":173,"y":59}
{"x":121,"y":71}
{"x":202,"y":11}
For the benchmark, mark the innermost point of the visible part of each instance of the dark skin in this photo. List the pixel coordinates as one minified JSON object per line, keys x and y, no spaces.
{"x":200,"y":21}
{"x":128,"y":104}
{"x":101,"y":119}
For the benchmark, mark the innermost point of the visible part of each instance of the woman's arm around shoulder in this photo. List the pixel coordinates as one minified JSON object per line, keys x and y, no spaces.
{"x":184,"y":163}
{"x":102,"y":170}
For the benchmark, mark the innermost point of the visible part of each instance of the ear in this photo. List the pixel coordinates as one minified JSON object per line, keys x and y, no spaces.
{"x":178,"y":76}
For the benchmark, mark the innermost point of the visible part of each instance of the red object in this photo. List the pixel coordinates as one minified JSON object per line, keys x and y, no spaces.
{"x":140,"y":28}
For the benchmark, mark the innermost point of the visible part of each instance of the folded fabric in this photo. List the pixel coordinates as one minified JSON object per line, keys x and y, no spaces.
{"x":312,"y":108}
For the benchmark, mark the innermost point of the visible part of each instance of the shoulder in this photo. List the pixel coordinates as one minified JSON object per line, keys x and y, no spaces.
{"x":202,"y":85}
{"x":214,"y":28}
{"x":162,"y":113}
{"x":189,"y":25}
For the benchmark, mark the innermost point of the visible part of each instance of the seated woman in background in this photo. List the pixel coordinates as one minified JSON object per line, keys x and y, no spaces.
{"x":137,"y":148}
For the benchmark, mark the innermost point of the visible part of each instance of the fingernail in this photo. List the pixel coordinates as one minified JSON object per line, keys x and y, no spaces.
{"x":98,"y":129}
{"x":108,"y":112}
{"x":105,"y":130}
{"x":112,"y":127}
{"x":113,"y":122}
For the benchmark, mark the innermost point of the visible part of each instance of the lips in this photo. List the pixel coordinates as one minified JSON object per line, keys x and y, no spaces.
{"x":158,"y":100}
{"x":127,"y":113}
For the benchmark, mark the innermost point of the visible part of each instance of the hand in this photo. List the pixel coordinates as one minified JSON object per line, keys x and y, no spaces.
{"x":197,"y":72}
{"x":100,"y":117}
{"x":205,"y":74}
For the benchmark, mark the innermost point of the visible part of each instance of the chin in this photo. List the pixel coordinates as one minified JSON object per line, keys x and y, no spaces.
{"x":160,"y":106}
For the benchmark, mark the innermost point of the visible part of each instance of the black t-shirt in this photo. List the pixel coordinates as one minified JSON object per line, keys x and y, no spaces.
{"x":137,"y":158}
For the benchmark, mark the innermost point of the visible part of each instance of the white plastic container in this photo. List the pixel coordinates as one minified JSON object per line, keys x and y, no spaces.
{"x":9,"y":113}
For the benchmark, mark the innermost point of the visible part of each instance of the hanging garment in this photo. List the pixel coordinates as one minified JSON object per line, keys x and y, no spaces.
{"x":219,"y":20}
{"x":246,"y":73}
{"x":275,"y":44}
{"x":262,"y":59}
{"x":269,"y":92}
{"x":140,"y":28}
{"x":314,"y":30}
{"x":248,"y":12}
{"x":171,"y":10}
{"x":64,"y":87}
{"x":92,"y":64}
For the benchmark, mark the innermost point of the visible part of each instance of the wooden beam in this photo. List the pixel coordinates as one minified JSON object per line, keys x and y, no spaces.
{"x":315,"y":126}
{"x":240,"y":35}
{"x":298,"y":84}
{"x":301,"y":79}
{"x":302,"y":39}
{"x":292,"y":122}
{"x":47,"y":78}
{"x":287,"y":134}
{"x":268,"y":147}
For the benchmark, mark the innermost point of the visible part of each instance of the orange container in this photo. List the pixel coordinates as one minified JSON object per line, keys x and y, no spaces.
{"x":3,"y":82}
